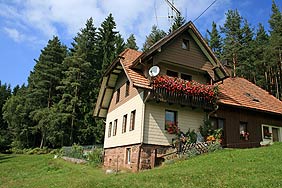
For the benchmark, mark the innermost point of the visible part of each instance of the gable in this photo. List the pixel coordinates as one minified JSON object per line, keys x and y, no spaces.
{"x":110,"y":81}
{"x":213,"y":66}
{"x":192,"y":58}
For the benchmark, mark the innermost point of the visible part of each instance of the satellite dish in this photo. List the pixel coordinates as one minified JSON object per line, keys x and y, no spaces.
{"x":154,"y":71}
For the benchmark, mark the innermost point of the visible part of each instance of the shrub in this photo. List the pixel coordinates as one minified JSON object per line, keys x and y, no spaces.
{"x":95,"y":157}
{"x":214,"y":146}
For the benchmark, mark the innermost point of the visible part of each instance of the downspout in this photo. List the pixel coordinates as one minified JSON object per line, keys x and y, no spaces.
{"x":142,"y":126}
{"x":216,"y":108}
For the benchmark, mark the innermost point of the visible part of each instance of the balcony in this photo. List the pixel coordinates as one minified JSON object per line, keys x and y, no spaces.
{"x":186,"y":93}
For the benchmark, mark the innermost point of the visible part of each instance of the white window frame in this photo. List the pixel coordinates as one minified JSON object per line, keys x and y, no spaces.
{"x":270,"y":131}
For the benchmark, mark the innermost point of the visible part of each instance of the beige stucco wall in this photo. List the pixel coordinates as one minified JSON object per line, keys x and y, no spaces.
{"x":154,"y":124}
{"x":129,"y":137}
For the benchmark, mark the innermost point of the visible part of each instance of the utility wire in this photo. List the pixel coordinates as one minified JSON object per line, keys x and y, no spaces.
{"x":204,"y":11}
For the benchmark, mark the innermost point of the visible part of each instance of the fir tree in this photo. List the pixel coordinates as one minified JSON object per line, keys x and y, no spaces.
{"x":107,"y":42}
{"x":214,"y":40}
{"x":177,"y":22}
{"x":155,"y":35}
{"x":131,"y":43}
{"x":275,"y":49}
{"x":232,"y":40}
{"x":42,"y":84}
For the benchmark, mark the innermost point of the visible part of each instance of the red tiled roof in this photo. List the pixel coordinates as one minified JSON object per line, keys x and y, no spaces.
{"x":136,"y":76}
{"x":242,"y":93}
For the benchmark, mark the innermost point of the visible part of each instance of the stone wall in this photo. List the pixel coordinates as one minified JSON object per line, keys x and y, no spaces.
{"x":115,"y":158}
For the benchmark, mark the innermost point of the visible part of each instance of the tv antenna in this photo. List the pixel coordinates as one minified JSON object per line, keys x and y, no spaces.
{"x":173,"y":10}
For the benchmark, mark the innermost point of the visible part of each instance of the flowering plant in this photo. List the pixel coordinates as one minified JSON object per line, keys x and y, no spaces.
{"x":194,"y":88}
{"x":172,"y":128}
{"x":244,"y":135}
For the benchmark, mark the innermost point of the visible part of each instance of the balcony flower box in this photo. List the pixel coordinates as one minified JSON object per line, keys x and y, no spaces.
{"x":176,"y":90}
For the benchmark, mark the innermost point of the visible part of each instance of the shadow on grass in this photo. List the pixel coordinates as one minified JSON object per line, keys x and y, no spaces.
{"x":5,"y":157}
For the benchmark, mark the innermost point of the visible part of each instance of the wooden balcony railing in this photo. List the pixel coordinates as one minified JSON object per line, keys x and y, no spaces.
{"x":163,"y":95}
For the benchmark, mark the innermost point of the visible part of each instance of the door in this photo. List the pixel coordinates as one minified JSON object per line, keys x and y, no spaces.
{"x":275,"y":134}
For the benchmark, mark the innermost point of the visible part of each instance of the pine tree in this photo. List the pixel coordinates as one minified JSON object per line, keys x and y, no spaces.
{"x":5,"y":137}
{"x":177,"y":22}
{"x":232,"y":40}
{"x":107,"y":42}
{"x":80,"y":86}
{"x":16,"y":113}
{"x":247,"y":58}
{"x":275,"y":49}
{"x":42,"y":84}
{"x":155,"y":35}
{"x":119,"y":45}
{"x":131,"y":43}
{"x":214,"y":40}
{"x":261,"y":67}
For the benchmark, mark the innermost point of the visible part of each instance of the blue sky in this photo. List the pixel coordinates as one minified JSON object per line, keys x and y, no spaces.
{"x":27,"y":25}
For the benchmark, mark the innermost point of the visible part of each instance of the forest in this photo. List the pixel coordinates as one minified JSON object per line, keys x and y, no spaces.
{"x":55,"y":107}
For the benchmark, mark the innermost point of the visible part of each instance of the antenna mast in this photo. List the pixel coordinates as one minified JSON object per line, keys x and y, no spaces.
{"x":173,"y":8}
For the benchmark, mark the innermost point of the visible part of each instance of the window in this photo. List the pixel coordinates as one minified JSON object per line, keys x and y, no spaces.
{"x":266,"y":132}
{"x":170,"y":118}
{"x":110,"y":130}
{"x":186,"y":77}
{"x":171,"y":73}
{"x":118,"y":95}
{"x":185,"y":44}
{"x":127,"y":88}
{"x":244,"y":135}
{"x":132,"y":120}
{"x":128,"y":156}
{"x":124,"y":123}
{"x":115,"y":128}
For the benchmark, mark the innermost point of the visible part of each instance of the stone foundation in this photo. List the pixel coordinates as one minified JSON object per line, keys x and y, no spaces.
{"x":142,"y":157}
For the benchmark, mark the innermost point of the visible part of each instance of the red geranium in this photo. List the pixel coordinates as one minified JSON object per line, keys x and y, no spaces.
{"x":193,"y":88}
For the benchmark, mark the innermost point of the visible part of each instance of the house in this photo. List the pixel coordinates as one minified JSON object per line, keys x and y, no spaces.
{"x":137,"y":112}
{"x":248,"y":114}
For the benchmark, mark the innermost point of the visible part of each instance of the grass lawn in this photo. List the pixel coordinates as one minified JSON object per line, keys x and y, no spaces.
{"x":259,"y":167}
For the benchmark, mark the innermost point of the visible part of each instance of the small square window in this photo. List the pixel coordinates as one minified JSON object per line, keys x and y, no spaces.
{"x":185,"y":44}
{"x":172,"y":73}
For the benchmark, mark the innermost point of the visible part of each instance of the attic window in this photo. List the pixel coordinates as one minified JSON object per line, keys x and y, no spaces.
{"x":172,"y":73}
{"x":185,"y":44}
{"x":253,"y":98}
{"x":186,"y":77}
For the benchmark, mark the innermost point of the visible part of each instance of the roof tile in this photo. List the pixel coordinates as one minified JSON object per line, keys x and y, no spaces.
{"x":240,"y":92}
{"x":136,"y":76}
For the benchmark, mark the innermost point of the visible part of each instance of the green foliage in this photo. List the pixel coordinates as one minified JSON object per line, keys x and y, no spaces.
{"x":155,"y":35}
{"x":131,"y":43}
{"x":95,"y":157}
{"x":214,"y":146}
{"x":214,"y":40}
{"x":206,"y":129}
{"x":191,"y":136}
{"x":76,"y":151}
{"x":177,"y":22}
